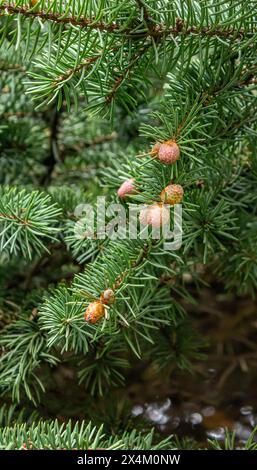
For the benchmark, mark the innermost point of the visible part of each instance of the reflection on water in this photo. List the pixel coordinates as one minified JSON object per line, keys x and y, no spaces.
{"x":197,"y":407}
{"x":192,"y":420}
{"x":220,"y":393}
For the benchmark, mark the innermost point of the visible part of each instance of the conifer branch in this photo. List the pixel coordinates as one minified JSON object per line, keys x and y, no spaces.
{"x":15,"y":68}
{"x":78,"y":68}
{"x":82,"y":22}
{"x":127,"y":70}
{"x":26,"y":219}
{"x":75,"y":436}
{"x":155,"y":30}
{"x":146,"y":16}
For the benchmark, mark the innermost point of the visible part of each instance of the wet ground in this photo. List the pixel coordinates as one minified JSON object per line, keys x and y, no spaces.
{"x":200,"y":410}
{"x":221,"y":392}
{"x":201,"y":405}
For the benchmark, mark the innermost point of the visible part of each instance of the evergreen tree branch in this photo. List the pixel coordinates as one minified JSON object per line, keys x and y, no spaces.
{"x":79,"y":436}
{"x":58,"y":18}
{"x":154,"y":29}
{"x":11,"y":67}
{"x":146,"y":16}
{"x":26,"y":221}
{"x":127,"y":70}
{"x":19,"y":360}
{"x":78,"y":68}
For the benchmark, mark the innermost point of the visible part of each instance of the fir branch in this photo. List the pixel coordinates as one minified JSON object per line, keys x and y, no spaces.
{"x":58,"y":18}
{"x":181,"y":29}
{"x":78,"y":68}
{"x":20,"y":359}
{"x":101,"y":139}
{"x":12,"y":67}
{"x":147,"y":19}
{"x":155,"y":30}
{"x":127,"y":70}
{"x":78,"y":436}
{"x":26,"y":221}
{"x":119,"y":263}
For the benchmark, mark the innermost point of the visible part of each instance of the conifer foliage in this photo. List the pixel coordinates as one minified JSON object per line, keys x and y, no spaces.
{"x":146,"y":103}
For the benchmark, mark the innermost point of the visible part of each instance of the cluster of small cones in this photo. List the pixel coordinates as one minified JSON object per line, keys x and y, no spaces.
{"x":155,"y":215}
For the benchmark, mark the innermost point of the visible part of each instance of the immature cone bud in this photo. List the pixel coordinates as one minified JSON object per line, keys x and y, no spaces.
{"x":172,"y":194}
{"x":128,"y":187}
{"x":94,"y":312}
{"x":168,"y":152}
{"x":156,"y":215}
{"x":107,"y":297}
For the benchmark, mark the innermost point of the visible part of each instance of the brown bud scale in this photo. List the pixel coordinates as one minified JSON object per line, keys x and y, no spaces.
{"x":94,"y":312}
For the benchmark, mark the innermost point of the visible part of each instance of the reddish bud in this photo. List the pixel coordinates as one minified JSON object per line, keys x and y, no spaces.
{"x":172,"y":194}
{"x":168,"y":153}
{"x":155,"y":215}
{"x":94,"y":312}
{"x":128,"y":187}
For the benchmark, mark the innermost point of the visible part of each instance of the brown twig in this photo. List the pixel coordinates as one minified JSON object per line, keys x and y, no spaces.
{"x":101,"y":139}
{"x":147,"y":19}
{"x":14,"y":217}
{"x":57,"y":18}
{"x":125,"y":72}
{"x":52,"y":157}
{"x":12,"y":67}
{"x":155,"y":30}
{"x":70,"y":72}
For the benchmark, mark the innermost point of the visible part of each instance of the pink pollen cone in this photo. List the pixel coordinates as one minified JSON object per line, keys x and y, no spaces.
{"x":126,"y":188}
{"x":155,"y":215}
{"x":168,"y":153}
